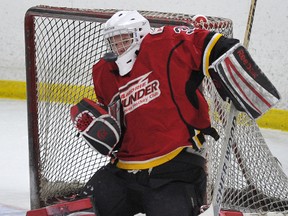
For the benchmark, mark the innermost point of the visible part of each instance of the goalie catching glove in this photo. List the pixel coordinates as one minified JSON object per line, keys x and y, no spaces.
{"x":99,"y":129}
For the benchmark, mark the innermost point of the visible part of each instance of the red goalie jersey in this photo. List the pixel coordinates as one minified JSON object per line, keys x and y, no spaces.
{"x":164,"y":111}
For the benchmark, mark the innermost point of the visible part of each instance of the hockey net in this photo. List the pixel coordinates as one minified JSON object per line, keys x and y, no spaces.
{"x":62,"y":44}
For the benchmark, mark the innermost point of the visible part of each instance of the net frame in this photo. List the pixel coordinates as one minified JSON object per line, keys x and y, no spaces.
{"x":54,"y":83}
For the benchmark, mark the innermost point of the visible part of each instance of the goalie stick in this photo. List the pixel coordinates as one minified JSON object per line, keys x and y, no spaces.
{"x":226,"y":150}
{"x":215,"y":207}
{"x":249,"y":23}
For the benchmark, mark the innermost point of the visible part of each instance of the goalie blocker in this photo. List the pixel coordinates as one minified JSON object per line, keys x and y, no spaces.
{"x":99,"y":129}
{"x":237,"y":76}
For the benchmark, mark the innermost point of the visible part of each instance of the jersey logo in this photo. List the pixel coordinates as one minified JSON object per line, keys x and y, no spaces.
{"x":155,"y":31}
{"x":139,"y":92}
{"x":186,"y":29}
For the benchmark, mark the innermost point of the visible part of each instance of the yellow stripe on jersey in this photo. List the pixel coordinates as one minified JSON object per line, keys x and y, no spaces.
{"x":207,"y":52}
{"x":197,"y":141}
{"x":133,"y":165}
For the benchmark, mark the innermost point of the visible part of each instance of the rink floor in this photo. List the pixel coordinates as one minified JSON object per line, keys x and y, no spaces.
{"x":14,"y":183}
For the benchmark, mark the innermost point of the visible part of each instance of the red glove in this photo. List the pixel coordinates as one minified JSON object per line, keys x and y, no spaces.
{"x":99,"y":129}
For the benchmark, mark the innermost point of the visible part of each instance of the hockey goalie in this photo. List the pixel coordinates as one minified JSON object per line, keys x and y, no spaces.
{"x":151,"y":117}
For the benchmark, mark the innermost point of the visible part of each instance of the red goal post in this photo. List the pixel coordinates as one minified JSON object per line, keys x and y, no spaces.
{"x":62,"y":44}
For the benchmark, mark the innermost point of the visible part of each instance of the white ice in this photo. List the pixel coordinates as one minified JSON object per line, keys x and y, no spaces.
{"x":14,"y":181}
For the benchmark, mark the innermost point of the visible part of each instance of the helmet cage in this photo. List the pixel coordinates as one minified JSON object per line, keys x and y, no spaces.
{"x":124,"y":42}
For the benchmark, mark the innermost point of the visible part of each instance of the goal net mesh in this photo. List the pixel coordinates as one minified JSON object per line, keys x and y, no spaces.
{"x":61,"y":47}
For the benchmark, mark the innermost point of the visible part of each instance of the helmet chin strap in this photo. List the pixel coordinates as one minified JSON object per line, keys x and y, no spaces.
{"x":110,"y":57}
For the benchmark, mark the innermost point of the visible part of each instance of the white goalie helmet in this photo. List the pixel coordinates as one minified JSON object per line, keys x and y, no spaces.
{"x":124,"y":32}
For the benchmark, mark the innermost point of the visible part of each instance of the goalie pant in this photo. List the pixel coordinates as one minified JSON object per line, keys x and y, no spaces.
{"x":157,"y":191}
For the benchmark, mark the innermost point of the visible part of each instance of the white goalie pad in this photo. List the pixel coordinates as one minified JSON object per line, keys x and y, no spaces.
{"x":246,"y":84}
